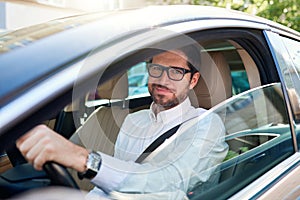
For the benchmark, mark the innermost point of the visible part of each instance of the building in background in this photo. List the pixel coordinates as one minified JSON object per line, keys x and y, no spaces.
{"x":94,"y":5}
{"x":16,"y":14}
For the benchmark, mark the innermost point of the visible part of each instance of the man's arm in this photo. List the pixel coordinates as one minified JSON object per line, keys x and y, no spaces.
{"x":186,"y":159}
{"x":189,"y":159}
{"x":42,"y":144}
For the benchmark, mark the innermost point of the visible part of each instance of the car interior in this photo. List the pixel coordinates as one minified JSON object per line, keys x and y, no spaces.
{"x":104,"y":122}
{"x":232,"y":84}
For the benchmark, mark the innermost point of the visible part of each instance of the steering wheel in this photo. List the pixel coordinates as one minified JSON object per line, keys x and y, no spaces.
{"x":59,"y":175}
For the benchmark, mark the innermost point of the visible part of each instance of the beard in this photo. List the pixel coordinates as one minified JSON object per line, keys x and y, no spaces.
{"x":165,"y":101}
{"x":161,"y":101}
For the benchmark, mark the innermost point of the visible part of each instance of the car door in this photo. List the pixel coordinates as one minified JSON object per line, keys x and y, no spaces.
{"x":258,"y":140}
{"x":255,"y":115}
{"x":285,"y":50}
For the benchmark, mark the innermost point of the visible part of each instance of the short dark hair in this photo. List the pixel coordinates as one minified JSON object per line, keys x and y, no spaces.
{"x":193,"y":54}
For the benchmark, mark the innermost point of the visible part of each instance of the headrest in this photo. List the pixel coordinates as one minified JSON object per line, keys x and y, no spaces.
{"x":215,"y":84}
{"x":115,"y":88}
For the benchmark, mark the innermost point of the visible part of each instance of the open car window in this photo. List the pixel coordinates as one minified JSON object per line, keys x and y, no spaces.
{"x":233,"y":87}
{"x":254,"y":115}
{"x":138,"y":80}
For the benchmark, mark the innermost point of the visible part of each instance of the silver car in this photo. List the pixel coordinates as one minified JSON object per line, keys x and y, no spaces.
{"x":73,"y":72}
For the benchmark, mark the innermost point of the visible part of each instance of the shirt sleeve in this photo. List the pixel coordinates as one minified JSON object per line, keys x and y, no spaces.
{"x":189,"y":159}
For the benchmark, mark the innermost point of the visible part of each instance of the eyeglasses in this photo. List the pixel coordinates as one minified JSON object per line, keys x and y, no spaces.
{"x":174,"y":73}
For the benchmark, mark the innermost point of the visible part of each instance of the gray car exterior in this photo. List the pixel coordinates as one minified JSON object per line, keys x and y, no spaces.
{"x":41,"y":65}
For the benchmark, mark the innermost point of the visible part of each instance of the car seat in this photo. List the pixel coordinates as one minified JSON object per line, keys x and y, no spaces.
{"x":99,"y":131}
{"x":215,"y":84}
{"x":213,"y":87}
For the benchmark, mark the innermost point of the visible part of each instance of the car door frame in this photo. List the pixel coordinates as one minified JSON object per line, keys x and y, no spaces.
{"x":271,"y":178}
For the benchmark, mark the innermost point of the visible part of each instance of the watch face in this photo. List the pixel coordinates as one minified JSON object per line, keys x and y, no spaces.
{"x":93,"y":165}
{"x":94,"y":161}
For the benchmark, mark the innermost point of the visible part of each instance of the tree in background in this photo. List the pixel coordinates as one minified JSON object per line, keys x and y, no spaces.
{"x":282,"y":11}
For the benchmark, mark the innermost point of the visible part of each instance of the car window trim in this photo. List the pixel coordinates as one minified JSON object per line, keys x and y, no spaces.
{"x":274,"y":36}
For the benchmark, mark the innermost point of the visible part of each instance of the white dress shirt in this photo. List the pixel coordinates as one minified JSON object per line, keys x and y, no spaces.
{"x":186,"y":158}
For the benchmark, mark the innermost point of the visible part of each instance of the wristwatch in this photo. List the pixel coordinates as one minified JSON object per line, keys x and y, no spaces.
{"x":93,"y":165}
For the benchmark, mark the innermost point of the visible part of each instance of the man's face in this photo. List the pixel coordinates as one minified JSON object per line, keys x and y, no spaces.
{"x":166,"y":92}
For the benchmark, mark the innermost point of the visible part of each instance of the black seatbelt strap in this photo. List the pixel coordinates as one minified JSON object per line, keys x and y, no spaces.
{"x":157,"y":143}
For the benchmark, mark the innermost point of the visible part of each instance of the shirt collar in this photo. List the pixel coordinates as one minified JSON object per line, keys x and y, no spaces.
{"x":170,"y":114}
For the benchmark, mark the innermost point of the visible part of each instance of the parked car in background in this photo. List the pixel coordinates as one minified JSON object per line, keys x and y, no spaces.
{"x":138,"y":80}
{"x":138,"y":84}
{"x":249,"y":77}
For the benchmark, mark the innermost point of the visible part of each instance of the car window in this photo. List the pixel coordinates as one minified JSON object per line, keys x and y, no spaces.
{"x":292,"y":47}
{"x":258,"y":139}
{"x":240,"y":81}
{"x":286,"y":51}
{"x":138,"y":80}
{"x":250,"y":105}
{"x":238,"y":72}
{"x":292,"y":73}
{"x":291,"y":76}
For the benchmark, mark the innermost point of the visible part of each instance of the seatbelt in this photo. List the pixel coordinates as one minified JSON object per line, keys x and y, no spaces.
{"x":156,"y":143}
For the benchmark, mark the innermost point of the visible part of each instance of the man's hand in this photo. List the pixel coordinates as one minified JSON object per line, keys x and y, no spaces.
{"x":42,"y":144}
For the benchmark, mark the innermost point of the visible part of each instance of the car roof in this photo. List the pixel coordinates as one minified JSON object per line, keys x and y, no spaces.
{"x":39,"y":48}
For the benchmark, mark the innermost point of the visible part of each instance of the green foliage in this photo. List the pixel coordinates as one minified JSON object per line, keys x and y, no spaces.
{"x":232,"y":154}
{"x":282,"y":11}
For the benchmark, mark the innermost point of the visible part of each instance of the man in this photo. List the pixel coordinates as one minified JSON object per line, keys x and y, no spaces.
{"x":182,"y":161}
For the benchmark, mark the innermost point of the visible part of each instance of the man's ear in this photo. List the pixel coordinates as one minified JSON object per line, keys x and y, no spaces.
{"x":194,"y":80}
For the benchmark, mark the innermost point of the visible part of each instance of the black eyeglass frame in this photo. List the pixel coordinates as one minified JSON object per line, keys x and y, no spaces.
{"x":164,"y":68}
